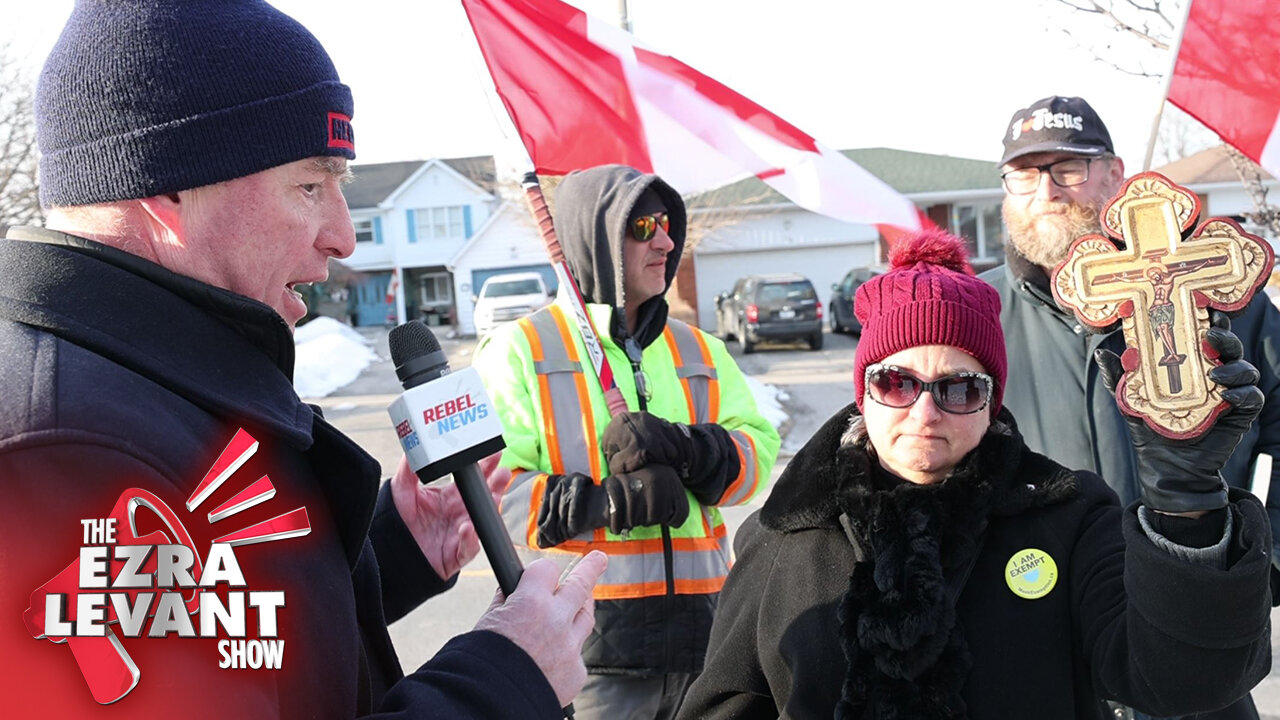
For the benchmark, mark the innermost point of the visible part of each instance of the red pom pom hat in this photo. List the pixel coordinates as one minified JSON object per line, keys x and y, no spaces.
{"x":929,"y":297}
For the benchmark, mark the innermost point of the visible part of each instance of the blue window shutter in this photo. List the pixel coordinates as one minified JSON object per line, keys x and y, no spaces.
{"x":466,"y":221}
{"x":377,"y":230}
{"x":413,"y":226}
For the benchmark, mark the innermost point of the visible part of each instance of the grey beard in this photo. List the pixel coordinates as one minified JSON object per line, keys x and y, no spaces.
{"x":1047,"y":247}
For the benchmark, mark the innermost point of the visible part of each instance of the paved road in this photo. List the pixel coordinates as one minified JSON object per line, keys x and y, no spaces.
{"x":817,"y":384}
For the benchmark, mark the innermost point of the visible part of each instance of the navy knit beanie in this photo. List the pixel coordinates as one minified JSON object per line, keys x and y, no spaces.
{"x":148,"y":97}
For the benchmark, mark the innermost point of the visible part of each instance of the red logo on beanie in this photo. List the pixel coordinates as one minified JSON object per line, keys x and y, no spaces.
{"x":340,"y":133}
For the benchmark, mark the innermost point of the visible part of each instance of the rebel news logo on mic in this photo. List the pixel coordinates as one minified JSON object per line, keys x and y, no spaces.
{"x":444,"y":419}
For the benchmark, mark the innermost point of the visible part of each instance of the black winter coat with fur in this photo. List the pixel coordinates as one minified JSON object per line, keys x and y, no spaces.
{"x":857,"y":595}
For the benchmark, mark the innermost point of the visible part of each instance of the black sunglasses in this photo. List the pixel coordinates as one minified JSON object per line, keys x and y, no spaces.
{"x":645,"y":227}
{"x":962,"y":393}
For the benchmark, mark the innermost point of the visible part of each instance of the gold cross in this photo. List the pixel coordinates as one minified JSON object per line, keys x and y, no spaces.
{"x":1158,"y":283}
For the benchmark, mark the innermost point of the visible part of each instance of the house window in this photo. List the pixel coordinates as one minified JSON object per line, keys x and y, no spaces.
{"x":441,"y":223}
{"x":981,"y":228}
{"x":364,"y":230}
{"x":436,"y":289}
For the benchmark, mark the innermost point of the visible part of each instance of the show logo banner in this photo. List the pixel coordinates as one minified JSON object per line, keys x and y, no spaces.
{"x":127,"y":587}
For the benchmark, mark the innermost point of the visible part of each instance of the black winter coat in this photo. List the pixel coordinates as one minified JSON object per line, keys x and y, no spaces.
{"x":117,"y":374}
{"x":927,"y":624}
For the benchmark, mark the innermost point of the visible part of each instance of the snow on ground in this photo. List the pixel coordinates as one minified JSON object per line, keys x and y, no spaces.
{"x":768,"y":401}
{"x":329,"y":355}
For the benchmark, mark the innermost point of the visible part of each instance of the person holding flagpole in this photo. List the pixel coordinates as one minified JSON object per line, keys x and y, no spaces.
{"x":644,"y":486}
{"x":1059,"y":169}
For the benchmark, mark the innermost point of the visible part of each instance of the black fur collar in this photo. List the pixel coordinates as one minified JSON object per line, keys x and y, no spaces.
{"x":829,"y":474}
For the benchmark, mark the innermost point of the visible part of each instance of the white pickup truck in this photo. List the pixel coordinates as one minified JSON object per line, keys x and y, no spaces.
{"x":508,"y":297}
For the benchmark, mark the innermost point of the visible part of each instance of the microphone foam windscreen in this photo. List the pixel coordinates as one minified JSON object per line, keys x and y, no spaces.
{"x":411,"y":340}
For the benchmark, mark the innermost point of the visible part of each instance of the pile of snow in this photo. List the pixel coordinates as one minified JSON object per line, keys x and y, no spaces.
{"x":768,"y":401}
{"x":329,"y":355}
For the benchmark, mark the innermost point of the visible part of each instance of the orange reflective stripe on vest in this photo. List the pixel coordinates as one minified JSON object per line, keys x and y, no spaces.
{"x":636,"y":566}
{"x":696,"y":373}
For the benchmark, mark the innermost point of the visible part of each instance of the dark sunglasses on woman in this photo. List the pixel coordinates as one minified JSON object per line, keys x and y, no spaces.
{"x":961,"y":393}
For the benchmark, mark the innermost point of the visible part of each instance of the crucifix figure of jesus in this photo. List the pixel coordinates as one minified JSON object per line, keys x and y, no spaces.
{"x":1157,"y":279}
{"x":1162,"y":311}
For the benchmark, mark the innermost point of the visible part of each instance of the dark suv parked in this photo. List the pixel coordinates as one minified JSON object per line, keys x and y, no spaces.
{"x":841,"y":310}
{"x":770,"y":307}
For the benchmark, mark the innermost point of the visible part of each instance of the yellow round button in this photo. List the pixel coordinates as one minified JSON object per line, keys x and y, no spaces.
{"x":1031,"y":573}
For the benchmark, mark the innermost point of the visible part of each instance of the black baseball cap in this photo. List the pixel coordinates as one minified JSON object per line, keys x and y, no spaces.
{"x":1056,"y":124}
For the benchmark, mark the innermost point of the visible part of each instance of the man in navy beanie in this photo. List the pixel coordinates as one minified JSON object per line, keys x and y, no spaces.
{"x":192,"y":155}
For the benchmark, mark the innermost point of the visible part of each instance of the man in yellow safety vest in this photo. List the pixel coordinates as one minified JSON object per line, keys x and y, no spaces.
{"x":644,"y":486}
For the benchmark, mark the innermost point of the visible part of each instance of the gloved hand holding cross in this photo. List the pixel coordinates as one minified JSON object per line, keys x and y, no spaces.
{"x":1159,"y":280}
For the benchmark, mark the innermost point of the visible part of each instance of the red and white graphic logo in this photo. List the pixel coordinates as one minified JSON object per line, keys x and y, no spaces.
{"x":123,"y":579}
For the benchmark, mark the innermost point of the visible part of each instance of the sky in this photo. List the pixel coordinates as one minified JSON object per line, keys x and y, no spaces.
{"x":936,"y":76}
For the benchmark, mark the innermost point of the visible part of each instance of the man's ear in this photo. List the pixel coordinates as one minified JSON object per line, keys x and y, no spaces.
{"x":1115,"y":174}
{"x":165,"y":211}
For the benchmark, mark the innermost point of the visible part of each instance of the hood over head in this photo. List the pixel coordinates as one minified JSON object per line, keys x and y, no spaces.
{"x":592,"y":210}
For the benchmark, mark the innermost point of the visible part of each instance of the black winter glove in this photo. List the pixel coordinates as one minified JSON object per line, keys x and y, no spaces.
{"x":571,"y":504}
{"x":652,"y":495}
{"x":1180,"y":476}
{"x":574,"y":504}
{"x":703,"y":455}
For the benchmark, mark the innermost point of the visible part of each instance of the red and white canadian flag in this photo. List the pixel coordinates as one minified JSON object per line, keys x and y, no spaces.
{"x":582,"y":92}
{"x":1227,"y":74}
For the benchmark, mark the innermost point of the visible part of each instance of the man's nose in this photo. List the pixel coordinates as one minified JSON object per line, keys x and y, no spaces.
{"x":1048,"y":190}
{"x":661,"y":240}
{"x":337,"y":235}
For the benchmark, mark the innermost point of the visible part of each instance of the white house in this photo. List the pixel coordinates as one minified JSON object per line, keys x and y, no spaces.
{"x":747,"y":228}
{"x":1210,"y":174}
{"x":428,"y":233}
{"x":410,"y":219}
{"x":442,"y":229}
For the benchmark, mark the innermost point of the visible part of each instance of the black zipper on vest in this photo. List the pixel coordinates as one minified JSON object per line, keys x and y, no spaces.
{"x":635,"y":355}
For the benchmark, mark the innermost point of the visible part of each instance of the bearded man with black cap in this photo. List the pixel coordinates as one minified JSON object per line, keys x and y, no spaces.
{"x":1059,"y":170}
{"x":192,"y":155}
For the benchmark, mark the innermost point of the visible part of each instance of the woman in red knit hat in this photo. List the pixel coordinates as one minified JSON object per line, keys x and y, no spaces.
{"x":916,"y":560}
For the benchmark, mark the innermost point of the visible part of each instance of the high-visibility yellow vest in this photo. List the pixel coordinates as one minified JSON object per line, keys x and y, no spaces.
{"x":570,"y":414}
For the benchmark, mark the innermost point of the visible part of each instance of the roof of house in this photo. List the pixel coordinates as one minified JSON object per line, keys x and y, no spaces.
{"x":1207,"y":166}
{"x":905,"y":171}
{"x":371,"y":184}
{"x":479,"y":169}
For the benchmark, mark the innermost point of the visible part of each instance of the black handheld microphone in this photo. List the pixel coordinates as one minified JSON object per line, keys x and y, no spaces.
{"x":446,"y":424}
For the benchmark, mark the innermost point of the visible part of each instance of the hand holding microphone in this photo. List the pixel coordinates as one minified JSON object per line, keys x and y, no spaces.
{"x":437,"y":517}
{"x":446,"y":424}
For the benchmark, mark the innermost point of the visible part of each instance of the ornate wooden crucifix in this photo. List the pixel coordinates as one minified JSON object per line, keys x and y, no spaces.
{"x":1158,"y":280}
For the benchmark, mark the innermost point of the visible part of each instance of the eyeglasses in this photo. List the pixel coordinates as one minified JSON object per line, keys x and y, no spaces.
{"x":1064,"y":173}
{"x":962,"y":393}
{"x":645,"y":227}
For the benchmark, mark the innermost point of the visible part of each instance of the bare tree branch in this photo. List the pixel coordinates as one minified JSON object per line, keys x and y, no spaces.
{"x":1107,"y":61}
{"x":1143,"y":17}
{"x":1265,"y":215}
{"x":19,"y":193}
{"x":1152,"y":24}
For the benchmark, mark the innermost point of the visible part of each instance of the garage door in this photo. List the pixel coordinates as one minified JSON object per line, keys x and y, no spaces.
{"x":822,"y":265}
